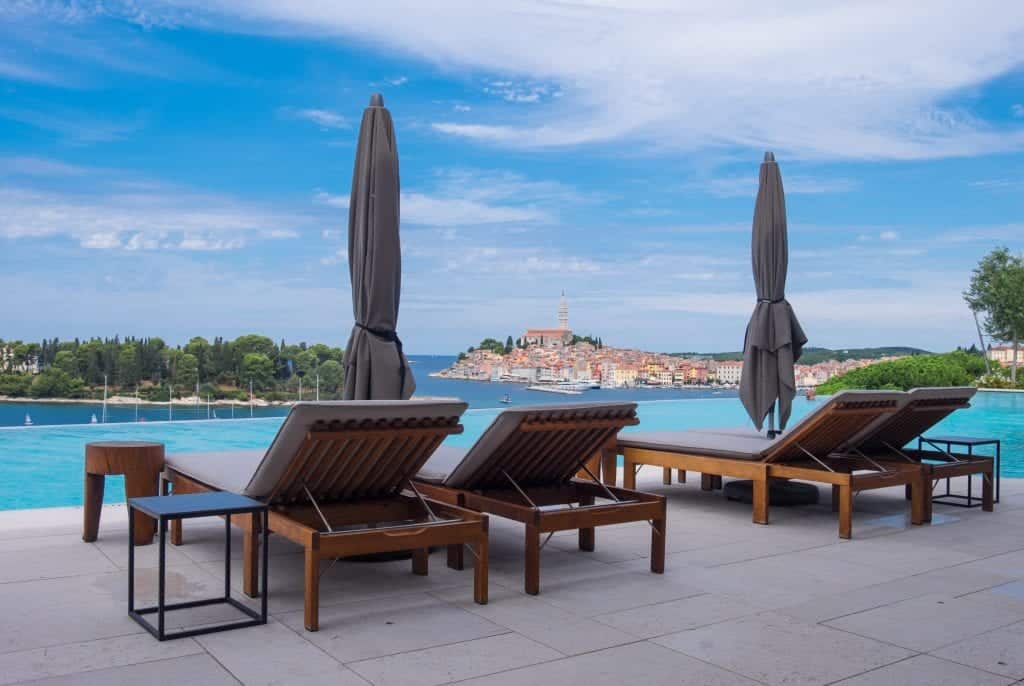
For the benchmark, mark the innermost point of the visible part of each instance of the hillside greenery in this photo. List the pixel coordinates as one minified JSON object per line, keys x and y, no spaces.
{"x":958,"y":368}
{"x":813,"y":355}
{"x":222,"y":368}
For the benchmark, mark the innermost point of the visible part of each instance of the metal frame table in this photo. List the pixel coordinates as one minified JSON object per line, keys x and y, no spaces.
{"x":166,"y":508}
{"x":969,"y":442}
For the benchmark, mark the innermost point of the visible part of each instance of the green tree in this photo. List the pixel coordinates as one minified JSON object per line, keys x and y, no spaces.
{"x":996,"y":291}
{"x":66,"y":361}
{"x":509,"y":345}
{"x":15,"y":385}
{"x":187,"y":371}
{"x":331,"y":376}
{"x":200,"y":348}
{"x":128,"y":366}
{"x":54,"y":383}
{"x":258,"y":368}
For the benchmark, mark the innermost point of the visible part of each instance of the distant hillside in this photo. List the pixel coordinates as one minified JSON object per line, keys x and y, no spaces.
{"x":816,"y":355}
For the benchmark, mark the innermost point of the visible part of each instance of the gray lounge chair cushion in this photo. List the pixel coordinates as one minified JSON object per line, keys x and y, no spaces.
{"x":258,"y":480}
{"x":442,"y":463}
{"x":227,"y":470}
{"x":714,"y":444}
{"x":478,"y":458}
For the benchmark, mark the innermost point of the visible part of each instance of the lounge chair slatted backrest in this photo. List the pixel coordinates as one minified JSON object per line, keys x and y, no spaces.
{"x":924,"y":408}
{"x":824,"y":430}
{"x":541,"y":445}
{"x":353,"y":449}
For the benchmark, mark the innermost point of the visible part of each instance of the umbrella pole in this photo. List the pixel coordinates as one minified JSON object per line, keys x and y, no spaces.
{"x":772,"y":433}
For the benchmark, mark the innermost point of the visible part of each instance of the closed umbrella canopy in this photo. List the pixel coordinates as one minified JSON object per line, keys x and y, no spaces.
{"x":774,"y":338}
{"x":375,"y":366}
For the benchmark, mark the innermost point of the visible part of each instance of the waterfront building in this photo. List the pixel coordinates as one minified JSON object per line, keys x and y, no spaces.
{"x":729,"y":372}
{"x":1003,"y":354}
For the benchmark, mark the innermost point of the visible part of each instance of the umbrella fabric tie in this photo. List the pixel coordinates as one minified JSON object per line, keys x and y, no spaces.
{"x":771,"y":302}
{"x":391,"y":336}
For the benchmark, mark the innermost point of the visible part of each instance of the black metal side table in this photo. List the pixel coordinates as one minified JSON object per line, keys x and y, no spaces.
{"x":166,"y":508}
{"x":970,"y":443}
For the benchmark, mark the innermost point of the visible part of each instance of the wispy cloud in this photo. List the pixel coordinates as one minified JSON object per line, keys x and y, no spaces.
{"x":473,"y":197}
{"x":511,"y":91}
{"x":746,"y":186}
{"x":76,"y":127}
{"x":998,"y":184}
{"x":325,"y":119}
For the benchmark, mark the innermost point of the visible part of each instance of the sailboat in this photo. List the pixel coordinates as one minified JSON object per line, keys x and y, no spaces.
{"x":28,"y":419}
{"x":506,"y":399}
{"x":94,"y":420}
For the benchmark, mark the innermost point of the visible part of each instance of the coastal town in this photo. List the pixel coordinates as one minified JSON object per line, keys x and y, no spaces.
{"x":558,"y":358}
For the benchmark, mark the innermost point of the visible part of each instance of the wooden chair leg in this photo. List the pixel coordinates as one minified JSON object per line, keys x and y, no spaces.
{"x":835,"y":498}
{"x":250,"y":560}
{"x":760,"y":498}
{"x":532,"y":571}
{"x":480,"y":573}
{"x":587,"y":535}
{"x":177,"y":535}
{"x":920,"y":493}
{"x":456,"y":556}
{"x":908,"y":492}
{"x":707,"y":482}
{"x":716,"y":482}
{"x":421,"y":561}
{"x":681,"y":476}
{"x":658,"y":546}
{"x":312,"y":592}
{"x":666,"y":476}
{"x":628,"y":474}
{"x":988,"y":492}
{"x":845,"y":512}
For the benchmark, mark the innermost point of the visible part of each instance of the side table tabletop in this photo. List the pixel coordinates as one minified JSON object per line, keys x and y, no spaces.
{"x":140,"y":462}
{"x":172,"y":507}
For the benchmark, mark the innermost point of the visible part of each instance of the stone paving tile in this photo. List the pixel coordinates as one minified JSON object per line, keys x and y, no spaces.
{"x":924,"y":670}
{"x":274,"y":654}
{"x":194,"y":670}
{"x":567,"y":632}
{"x":40,"y":663}
{"x":1000,"y":651}
{"x":619,"y":591}
{"x":929,"y":622}
{"x":374,"y":628}
{"x":456,"y":662}
{"x":776,"y":649}
{"x":637,"y":663}
{"x":678,"y":615}
{"x":61,"y":559}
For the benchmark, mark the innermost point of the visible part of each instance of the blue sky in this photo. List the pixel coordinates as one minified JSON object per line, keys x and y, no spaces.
{"x":181,"y":168}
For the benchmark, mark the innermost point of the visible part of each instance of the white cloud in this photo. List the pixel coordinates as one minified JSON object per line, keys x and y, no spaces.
{"x":400,"y":81}
{"x":746,"y":186}
{"x":998,"y":184}
{"x":888,"y":235}
{"x":510,"y":91}
{"x":41,"y":166}
{"x":325,"y":119}
{"x":470,"y":197}
{"x":101,"y":241}
{"x":458,"y":107}
{"x":141,"y":217}
{"x":829,"y":80}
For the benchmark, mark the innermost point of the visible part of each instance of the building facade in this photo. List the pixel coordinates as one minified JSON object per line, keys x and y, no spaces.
{"x":1003,"y":354}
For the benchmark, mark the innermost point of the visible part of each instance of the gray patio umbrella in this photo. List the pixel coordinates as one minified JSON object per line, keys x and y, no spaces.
{"x":774,"y":339}
{"x":375,"y":366}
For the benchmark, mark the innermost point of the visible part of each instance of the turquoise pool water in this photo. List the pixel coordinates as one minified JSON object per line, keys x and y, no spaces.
{"x":42,"y":466}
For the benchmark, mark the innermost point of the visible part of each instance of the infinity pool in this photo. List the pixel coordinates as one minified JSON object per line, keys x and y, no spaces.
{"x":42,"y":466}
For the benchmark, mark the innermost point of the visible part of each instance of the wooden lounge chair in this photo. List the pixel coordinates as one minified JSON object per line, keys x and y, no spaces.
{"x":805,"y":451}
{"x":523,"y":468}
{"x":334,"y":479}
{"x":889,"y":439}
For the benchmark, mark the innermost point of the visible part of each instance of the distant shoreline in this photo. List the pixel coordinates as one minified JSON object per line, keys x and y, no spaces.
{"x":123,"y":400}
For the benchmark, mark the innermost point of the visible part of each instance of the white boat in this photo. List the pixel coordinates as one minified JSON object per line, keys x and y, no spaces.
{"x":94,"y":420}
{"x":555,"y":389}
{"x":506,"y":399}
{"x":28,"y":419}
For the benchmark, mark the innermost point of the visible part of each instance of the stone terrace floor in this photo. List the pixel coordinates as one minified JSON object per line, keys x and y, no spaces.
{"x":739,"y":604}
